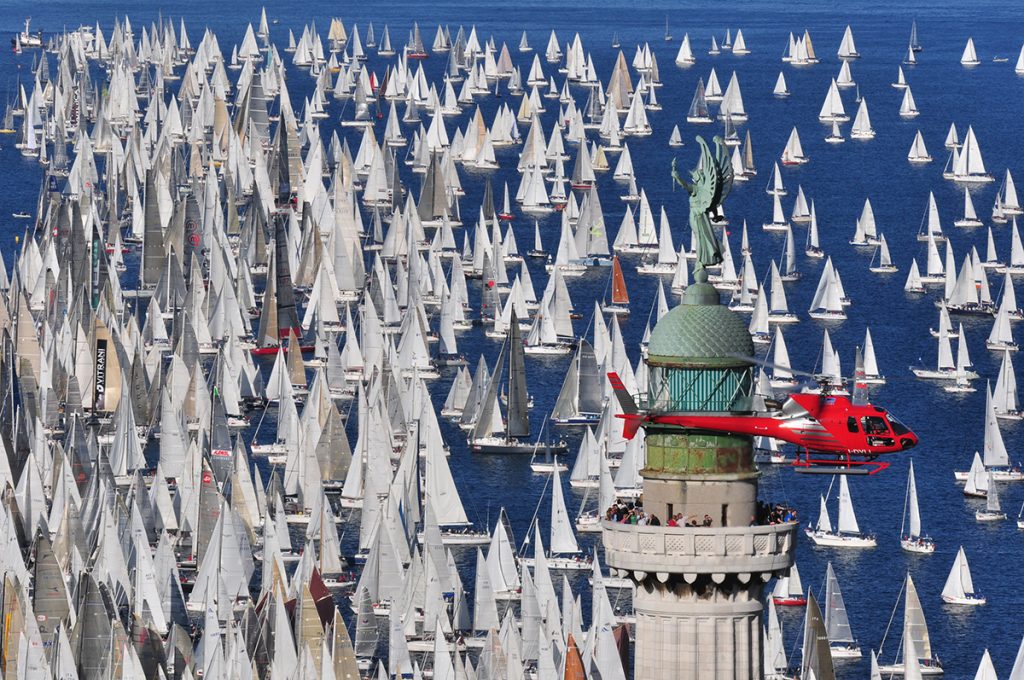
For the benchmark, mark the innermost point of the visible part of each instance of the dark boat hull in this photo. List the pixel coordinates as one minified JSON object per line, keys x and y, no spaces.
{"x":519,"y":447}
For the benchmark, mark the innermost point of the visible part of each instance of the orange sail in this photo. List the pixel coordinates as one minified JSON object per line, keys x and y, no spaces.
{"x":620,"y":296}
{"x":573,"y":662}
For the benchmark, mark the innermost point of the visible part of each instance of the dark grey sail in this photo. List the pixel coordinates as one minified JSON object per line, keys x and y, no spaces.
{"x":518,"y":415}
{"x":153,"y":236}
{"x":287,"y":317}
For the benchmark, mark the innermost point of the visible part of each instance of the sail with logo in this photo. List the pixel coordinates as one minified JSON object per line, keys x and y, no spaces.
{"x":106,"y":392}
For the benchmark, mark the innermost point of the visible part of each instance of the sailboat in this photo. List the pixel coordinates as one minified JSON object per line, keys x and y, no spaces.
{"x":915,"y":45}
{"x":848,"y":50}
{"x":966,"y":163}
{"x":959,"y":588}
{"x":1001,"y":336}
{"x":779,"y":221}
{"x":832,"y":109}
{"x":813,"y":247}
{"x":827,"y":304}
{"x":836,"y":135}
{"x":781,"y":88}
{"x":969,"y":57}
{"x":816,"y":657}
{"x":884,"y":263}
{"x":914,"y":284}
{"x":997,"y":459}
{"x":793,"y":154}
{"x":775,"y":185}
{"x":676,"y":138}
{"x":872,"y":375}
{"x":789,"y":591}
{"x":918,"y":151}
{"x":848,"y":534}
{"x":778,"y":309}
{"x":976,"y":485}
{"x":837,"y":622}
{"x":912,"y":539}
{"x":563,"y":550}
{"x":782,"y":375}
{"x":667,"y":257}
{"x":668,"y":36}
{"x":970,"y":218}
{"x":538,"y":250}
{"x":1004,"y":395}
{"x":916,"y":643}
{"x":580,"y":399}
{"x":739,"y":45}
{"x":908,"y":107}
{"x":490,"y":434}
{"x":947,"y":368}
{"x":547,"y":464}
{"x":698,"y":112}
{"x":993,"y":512}
{"x":620,"y":296}
{"x":901,"y":80}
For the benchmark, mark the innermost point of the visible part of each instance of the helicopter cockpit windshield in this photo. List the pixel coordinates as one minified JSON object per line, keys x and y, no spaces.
{"x":898,"y":427}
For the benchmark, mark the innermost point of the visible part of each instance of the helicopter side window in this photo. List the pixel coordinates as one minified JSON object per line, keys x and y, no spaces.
{"x":874,"y":425}
{"x":851,"y":424}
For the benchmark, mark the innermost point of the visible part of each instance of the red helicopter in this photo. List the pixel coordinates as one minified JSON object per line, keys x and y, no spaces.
{"x":836,"y":435}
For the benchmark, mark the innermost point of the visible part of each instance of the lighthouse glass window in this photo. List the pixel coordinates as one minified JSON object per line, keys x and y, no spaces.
{"x":673,"y":389}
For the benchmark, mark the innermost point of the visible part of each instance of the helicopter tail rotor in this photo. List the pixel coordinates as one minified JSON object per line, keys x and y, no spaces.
{"x":630,"y":413}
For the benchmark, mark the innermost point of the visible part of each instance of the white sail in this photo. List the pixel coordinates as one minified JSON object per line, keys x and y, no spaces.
{"x":913,"y":506}
{"x":824,"y":523}
{"x":992,"y":499}
{"x":837,"y":622}
{"x":908,"y":107}
{"x":862,"y":123}
{"x":832,"y":108}
{"x":781,"y":89}
{"x":780,"y":359}
{"x":968,"y":164}
{"x":563,"y":538}
{"x":995,"y":449}
{"x":847,"y":48}
{"x":959,"y":583}
{"x":918,"y":151}
{"x":969,"y":57}
{"x":847,"y":517}
{"x":1004,"y":395}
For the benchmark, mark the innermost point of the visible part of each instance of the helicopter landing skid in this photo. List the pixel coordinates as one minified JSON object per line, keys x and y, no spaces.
{"x":838,"y":465}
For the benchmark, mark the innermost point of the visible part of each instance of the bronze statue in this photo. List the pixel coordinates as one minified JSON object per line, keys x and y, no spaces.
{"x":712,"y":181}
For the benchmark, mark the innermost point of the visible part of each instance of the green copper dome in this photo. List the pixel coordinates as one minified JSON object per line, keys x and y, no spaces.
{"x":699,"y":332}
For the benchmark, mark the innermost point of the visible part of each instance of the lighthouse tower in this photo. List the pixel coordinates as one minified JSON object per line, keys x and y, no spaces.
{"x":699,"y":590}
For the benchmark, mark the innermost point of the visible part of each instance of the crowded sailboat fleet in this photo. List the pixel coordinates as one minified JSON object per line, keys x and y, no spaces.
{"x":300,"y":328}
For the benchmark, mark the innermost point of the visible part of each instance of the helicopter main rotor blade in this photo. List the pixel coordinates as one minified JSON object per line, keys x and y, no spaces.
{"x":768,"y":364}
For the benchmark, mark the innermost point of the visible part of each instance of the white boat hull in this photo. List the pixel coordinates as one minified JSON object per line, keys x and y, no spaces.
{"x":841,"y":651}
{"x":894,"y":669}
{"x":997,"y":474}
{"x":828,"y":316}
{"x":919,"y":546}
{"x":966,"y":601}
{"x":827,"y":540}
{"x":579,"y":563}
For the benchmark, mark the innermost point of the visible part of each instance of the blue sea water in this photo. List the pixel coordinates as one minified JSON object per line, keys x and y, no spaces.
{"x":839,"y":178}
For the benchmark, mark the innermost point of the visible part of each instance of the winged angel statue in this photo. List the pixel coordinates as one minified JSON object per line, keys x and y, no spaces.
{"x":711,"y":183}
